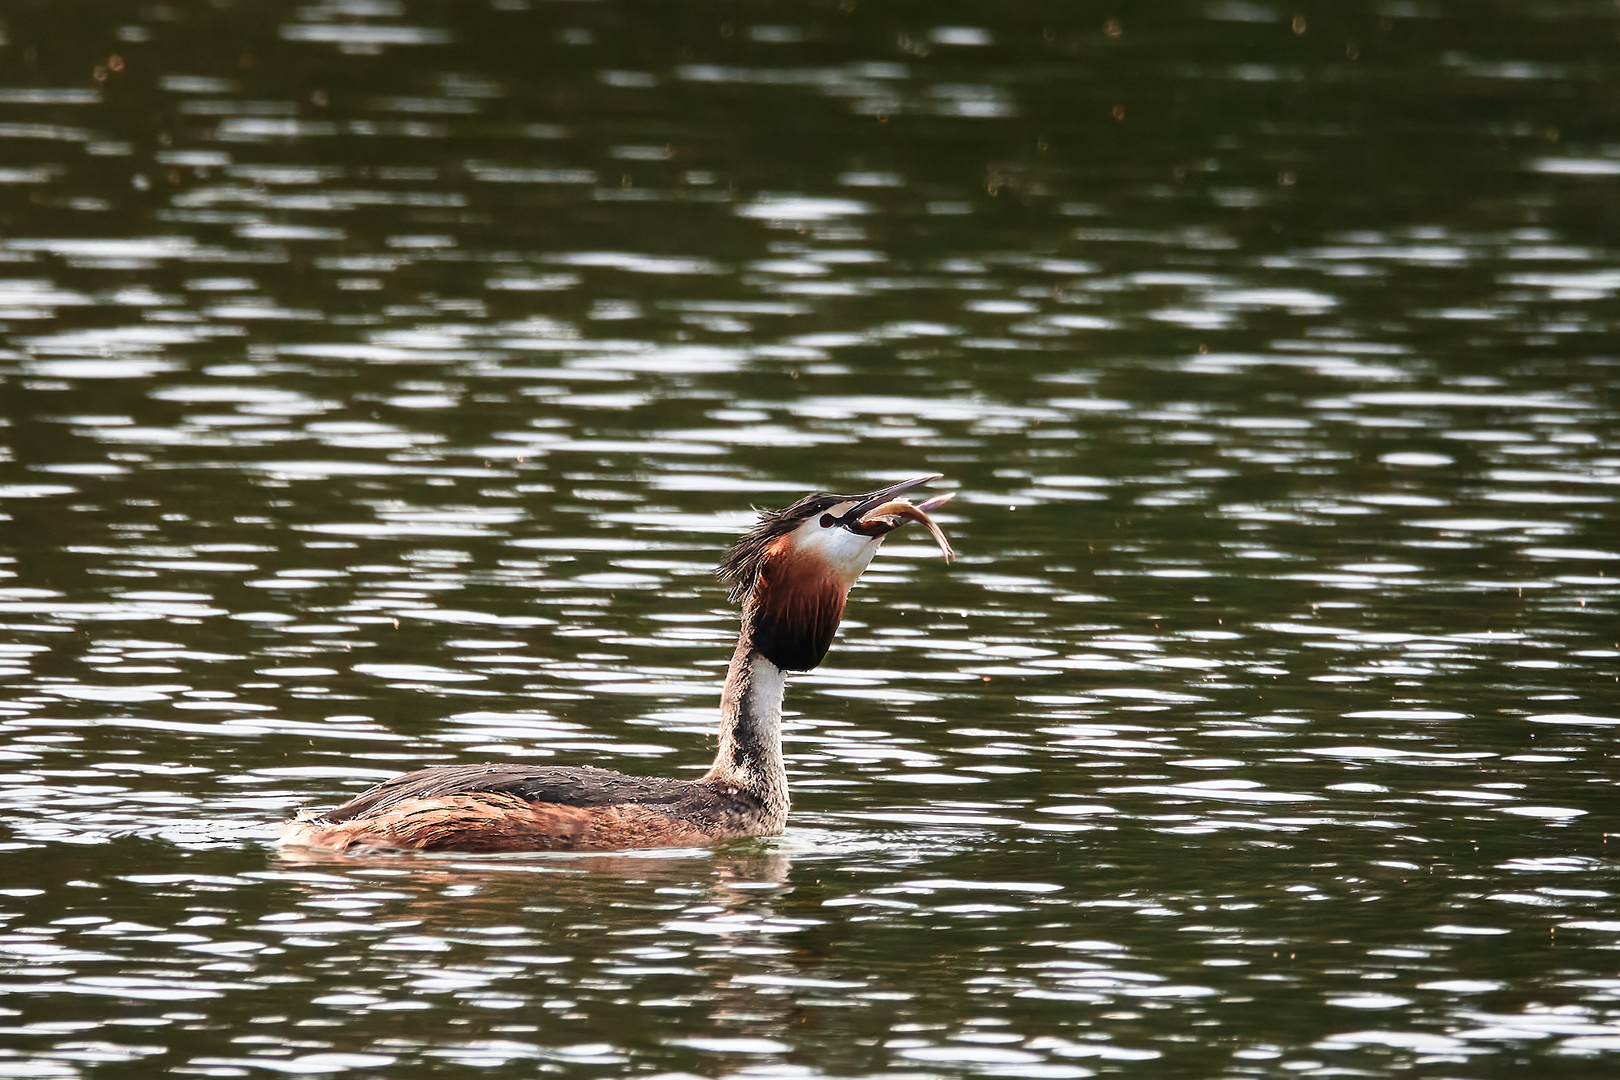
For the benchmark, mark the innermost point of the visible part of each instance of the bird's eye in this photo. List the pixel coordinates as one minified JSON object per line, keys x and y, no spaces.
{"x":828,"y":521}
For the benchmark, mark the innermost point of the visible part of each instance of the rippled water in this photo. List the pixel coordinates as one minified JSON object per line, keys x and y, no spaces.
{"x":380,"y":381}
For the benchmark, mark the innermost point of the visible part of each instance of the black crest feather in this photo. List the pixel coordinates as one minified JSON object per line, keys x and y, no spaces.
{"x":740,"y":567}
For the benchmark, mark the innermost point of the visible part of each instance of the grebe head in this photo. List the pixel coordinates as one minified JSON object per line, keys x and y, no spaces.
{"x":793,"y":571}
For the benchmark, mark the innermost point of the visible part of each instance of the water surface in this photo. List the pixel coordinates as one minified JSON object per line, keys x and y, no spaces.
{"x":380,"y":382}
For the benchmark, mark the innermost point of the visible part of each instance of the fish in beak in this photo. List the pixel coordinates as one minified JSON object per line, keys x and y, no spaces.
{"x":886,"y":517}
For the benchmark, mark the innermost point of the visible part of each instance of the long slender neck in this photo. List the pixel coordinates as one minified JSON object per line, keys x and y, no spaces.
{"x":749,"y":757}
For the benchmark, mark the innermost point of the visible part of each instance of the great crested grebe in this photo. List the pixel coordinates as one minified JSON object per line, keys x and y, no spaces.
{"x":790,"y":574}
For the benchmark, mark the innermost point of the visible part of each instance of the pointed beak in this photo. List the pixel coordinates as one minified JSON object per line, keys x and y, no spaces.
{"x":880,"y":513}
{"x":883,"y":495}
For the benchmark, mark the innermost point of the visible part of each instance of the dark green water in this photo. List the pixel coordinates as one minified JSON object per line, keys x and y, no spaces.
{"x":380,"y":380}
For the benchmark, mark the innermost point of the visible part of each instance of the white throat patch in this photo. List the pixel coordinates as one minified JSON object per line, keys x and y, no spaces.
{"x":844,"y":553}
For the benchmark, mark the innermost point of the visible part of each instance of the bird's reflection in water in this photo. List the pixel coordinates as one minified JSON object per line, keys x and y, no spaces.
{"x":630,"y":950}
{"x":617,"y":890}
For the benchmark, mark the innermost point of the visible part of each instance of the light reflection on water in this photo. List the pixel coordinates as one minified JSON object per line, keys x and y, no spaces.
{"x":385,"y":397}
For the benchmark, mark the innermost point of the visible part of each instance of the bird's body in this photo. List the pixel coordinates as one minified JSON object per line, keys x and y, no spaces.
{"x":526,"y":808}
{"x":791,"y":575}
